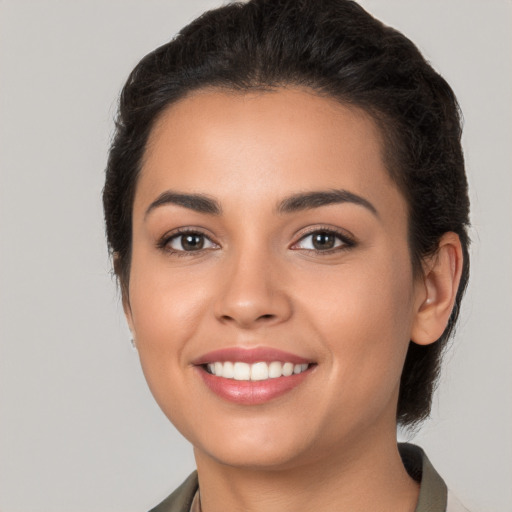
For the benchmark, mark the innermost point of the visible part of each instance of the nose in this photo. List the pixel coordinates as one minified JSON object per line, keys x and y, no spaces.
{"x":252,"y":294}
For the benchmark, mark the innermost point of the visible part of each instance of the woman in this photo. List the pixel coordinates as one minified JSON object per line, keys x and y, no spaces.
{"x":286,"y":206}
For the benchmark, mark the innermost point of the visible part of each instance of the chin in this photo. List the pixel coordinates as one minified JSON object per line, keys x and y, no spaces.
{"x":271,"y":458}
{"x":262,"y":447}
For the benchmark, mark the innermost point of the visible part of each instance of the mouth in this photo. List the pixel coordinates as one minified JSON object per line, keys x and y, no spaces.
{"x":252,"y":376}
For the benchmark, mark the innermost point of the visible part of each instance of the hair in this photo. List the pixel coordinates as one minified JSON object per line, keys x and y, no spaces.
{"x":338,"y":50}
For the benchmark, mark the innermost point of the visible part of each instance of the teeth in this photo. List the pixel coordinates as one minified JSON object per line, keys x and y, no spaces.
{"x":259,"y":371}
{"x":287,"y":369}
{"x":228,"y":370}
{"x":256,"y":371}
{"x":242,"y":371}
{"x":275,"y":369}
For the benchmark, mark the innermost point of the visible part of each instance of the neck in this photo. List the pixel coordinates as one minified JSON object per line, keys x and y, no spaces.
{"x":356,"y":478}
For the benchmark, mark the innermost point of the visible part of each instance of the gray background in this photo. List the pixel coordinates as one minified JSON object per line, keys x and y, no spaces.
{"x":78,"y":429}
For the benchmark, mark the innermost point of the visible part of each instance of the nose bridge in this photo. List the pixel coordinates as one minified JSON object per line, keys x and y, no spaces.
{"x":252,"y":292}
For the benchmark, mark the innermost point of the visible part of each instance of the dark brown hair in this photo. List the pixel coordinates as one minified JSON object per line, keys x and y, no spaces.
{"x":337,"y":49}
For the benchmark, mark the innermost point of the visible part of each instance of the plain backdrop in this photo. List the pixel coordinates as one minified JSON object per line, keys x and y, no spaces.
{"x":79,"y":431}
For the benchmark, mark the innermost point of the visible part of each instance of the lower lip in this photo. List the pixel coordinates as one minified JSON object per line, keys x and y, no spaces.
{"x":251,"y":392}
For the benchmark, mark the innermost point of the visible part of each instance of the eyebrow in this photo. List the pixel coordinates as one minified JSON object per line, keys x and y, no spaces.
{"x":316,"y":199}
{"x":200,"y":203}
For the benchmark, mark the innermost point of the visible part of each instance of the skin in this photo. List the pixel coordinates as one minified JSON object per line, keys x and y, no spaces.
{"x":258,"y":282}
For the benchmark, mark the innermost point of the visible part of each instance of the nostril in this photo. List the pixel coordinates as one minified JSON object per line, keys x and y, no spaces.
{"x":228,"y":318}
{"x":266,"y":317}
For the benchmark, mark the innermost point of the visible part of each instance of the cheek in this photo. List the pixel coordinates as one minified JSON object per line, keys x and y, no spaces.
{"x":166,"y":306}
{"x":364,"y":315}
{"x":165,"y":309}
{"x":369,"y":294}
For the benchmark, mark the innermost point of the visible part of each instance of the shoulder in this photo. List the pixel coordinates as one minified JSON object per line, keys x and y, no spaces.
{"x":181,"y":499}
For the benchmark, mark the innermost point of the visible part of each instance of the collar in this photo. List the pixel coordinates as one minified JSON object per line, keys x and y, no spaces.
{"x":433,"y":491}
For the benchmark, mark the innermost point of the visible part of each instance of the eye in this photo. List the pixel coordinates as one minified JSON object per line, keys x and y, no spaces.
{"x":322,"y":241}
{"x":189,"y":241}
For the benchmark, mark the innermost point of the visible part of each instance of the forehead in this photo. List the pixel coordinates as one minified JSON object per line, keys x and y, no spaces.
{"x":243,"y":145}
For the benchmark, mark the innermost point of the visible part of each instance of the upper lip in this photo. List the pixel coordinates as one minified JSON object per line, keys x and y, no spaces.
{"x":249,"y":355}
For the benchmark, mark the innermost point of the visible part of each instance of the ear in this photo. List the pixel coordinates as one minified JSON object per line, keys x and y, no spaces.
{"x":437,"y":290}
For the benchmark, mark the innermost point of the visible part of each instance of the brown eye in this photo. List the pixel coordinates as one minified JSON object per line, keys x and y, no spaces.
{"x":192,"y":242}
{"x":323,"y":240}
{"x":189,"y":242}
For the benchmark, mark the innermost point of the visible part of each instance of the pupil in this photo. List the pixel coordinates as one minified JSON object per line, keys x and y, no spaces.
{"x":323,"y":241}
{"x":192,"y":242}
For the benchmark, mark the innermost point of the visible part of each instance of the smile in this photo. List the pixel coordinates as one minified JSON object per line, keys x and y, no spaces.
{"x":252,"y":376}
{"x":259,"y":371}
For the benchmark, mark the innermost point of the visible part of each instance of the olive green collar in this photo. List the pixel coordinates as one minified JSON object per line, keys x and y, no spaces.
{"x":181,"y":499}
{"x":433,"y":491}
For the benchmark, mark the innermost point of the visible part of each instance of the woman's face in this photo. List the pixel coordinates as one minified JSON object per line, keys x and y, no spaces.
{"x":266,"y":230}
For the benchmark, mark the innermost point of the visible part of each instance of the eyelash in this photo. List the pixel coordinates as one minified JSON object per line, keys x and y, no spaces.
{"x":347,"y":241}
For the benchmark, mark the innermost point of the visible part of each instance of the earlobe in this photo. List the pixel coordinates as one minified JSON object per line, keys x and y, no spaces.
{"x":438,"y":290}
